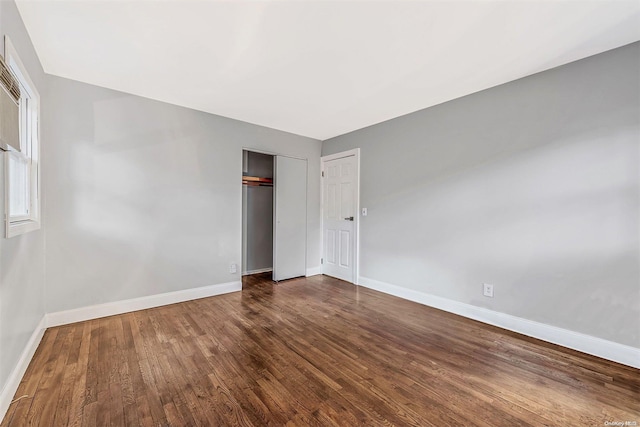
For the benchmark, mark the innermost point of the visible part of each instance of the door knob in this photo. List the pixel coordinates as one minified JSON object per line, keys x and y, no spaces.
{"x":349,"y":218}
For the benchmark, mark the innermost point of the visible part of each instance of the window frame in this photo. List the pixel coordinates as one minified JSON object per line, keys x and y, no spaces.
{"x":29,"y":146}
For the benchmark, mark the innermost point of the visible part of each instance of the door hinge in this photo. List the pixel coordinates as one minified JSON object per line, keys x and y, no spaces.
{"x":323,"y":174}
{"x":321,"y":260}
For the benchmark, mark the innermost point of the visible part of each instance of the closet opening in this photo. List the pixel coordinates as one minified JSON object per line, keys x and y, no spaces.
{"x":274,"y":217}
{"x":257,"y":213}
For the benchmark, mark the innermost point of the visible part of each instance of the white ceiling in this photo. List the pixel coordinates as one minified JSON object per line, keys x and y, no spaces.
{"x":317,"y":68}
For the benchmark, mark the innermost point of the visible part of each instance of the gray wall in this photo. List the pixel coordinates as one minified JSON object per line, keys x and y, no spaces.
{"x":532,"y":186}
{"x":258,"y":164}
{"x":257,"y":215}
{"x":145,"y":197}
{"x":21,"y":257}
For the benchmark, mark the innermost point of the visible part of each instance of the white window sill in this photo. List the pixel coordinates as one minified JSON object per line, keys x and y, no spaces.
{"x":21,"y":227}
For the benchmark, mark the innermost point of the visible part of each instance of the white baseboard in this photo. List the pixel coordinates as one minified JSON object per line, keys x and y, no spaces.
{"x":605,"y":349}
{"x":258,"y":271}
{"x":314,"y":271}
{"x":11,"y":386}
{"x":142,"y":303}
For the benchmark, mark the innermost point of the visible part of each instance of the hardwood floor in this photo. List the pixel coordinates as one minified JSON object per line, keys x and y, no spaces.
{"x":316,"y":352}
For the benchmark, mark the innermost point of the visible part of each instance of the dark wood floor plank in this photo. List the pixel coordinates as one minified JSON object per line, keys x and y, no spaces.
{"x":44,"y":407}
{"x":312,"y":352}
{"x":18,"y":416}
{"x":151,"y":387}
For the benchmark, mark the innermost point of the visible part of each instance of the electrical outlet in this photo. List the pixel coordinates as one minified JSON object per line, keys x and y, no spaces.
{"x":487,"y":290}
{"x":233,"y":268}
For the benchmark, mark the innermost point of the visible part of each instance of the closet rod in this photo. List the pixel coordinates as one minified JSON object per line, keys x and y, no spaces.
{"x":256,"y":184}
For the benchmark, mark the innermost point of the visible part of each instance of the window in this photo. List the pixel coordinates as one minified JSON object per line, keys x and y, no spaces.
{"x":22,"y":169}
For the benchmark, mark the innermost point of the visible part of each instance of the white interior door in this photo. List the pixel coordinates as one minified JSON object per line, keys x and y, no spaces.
{"x":339,"y":216}
{"x":290,"y":218}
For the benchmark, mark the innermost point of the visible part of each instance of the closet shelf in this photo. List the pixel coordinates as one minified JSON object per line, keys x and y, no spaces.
{"x":255,"y":180}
